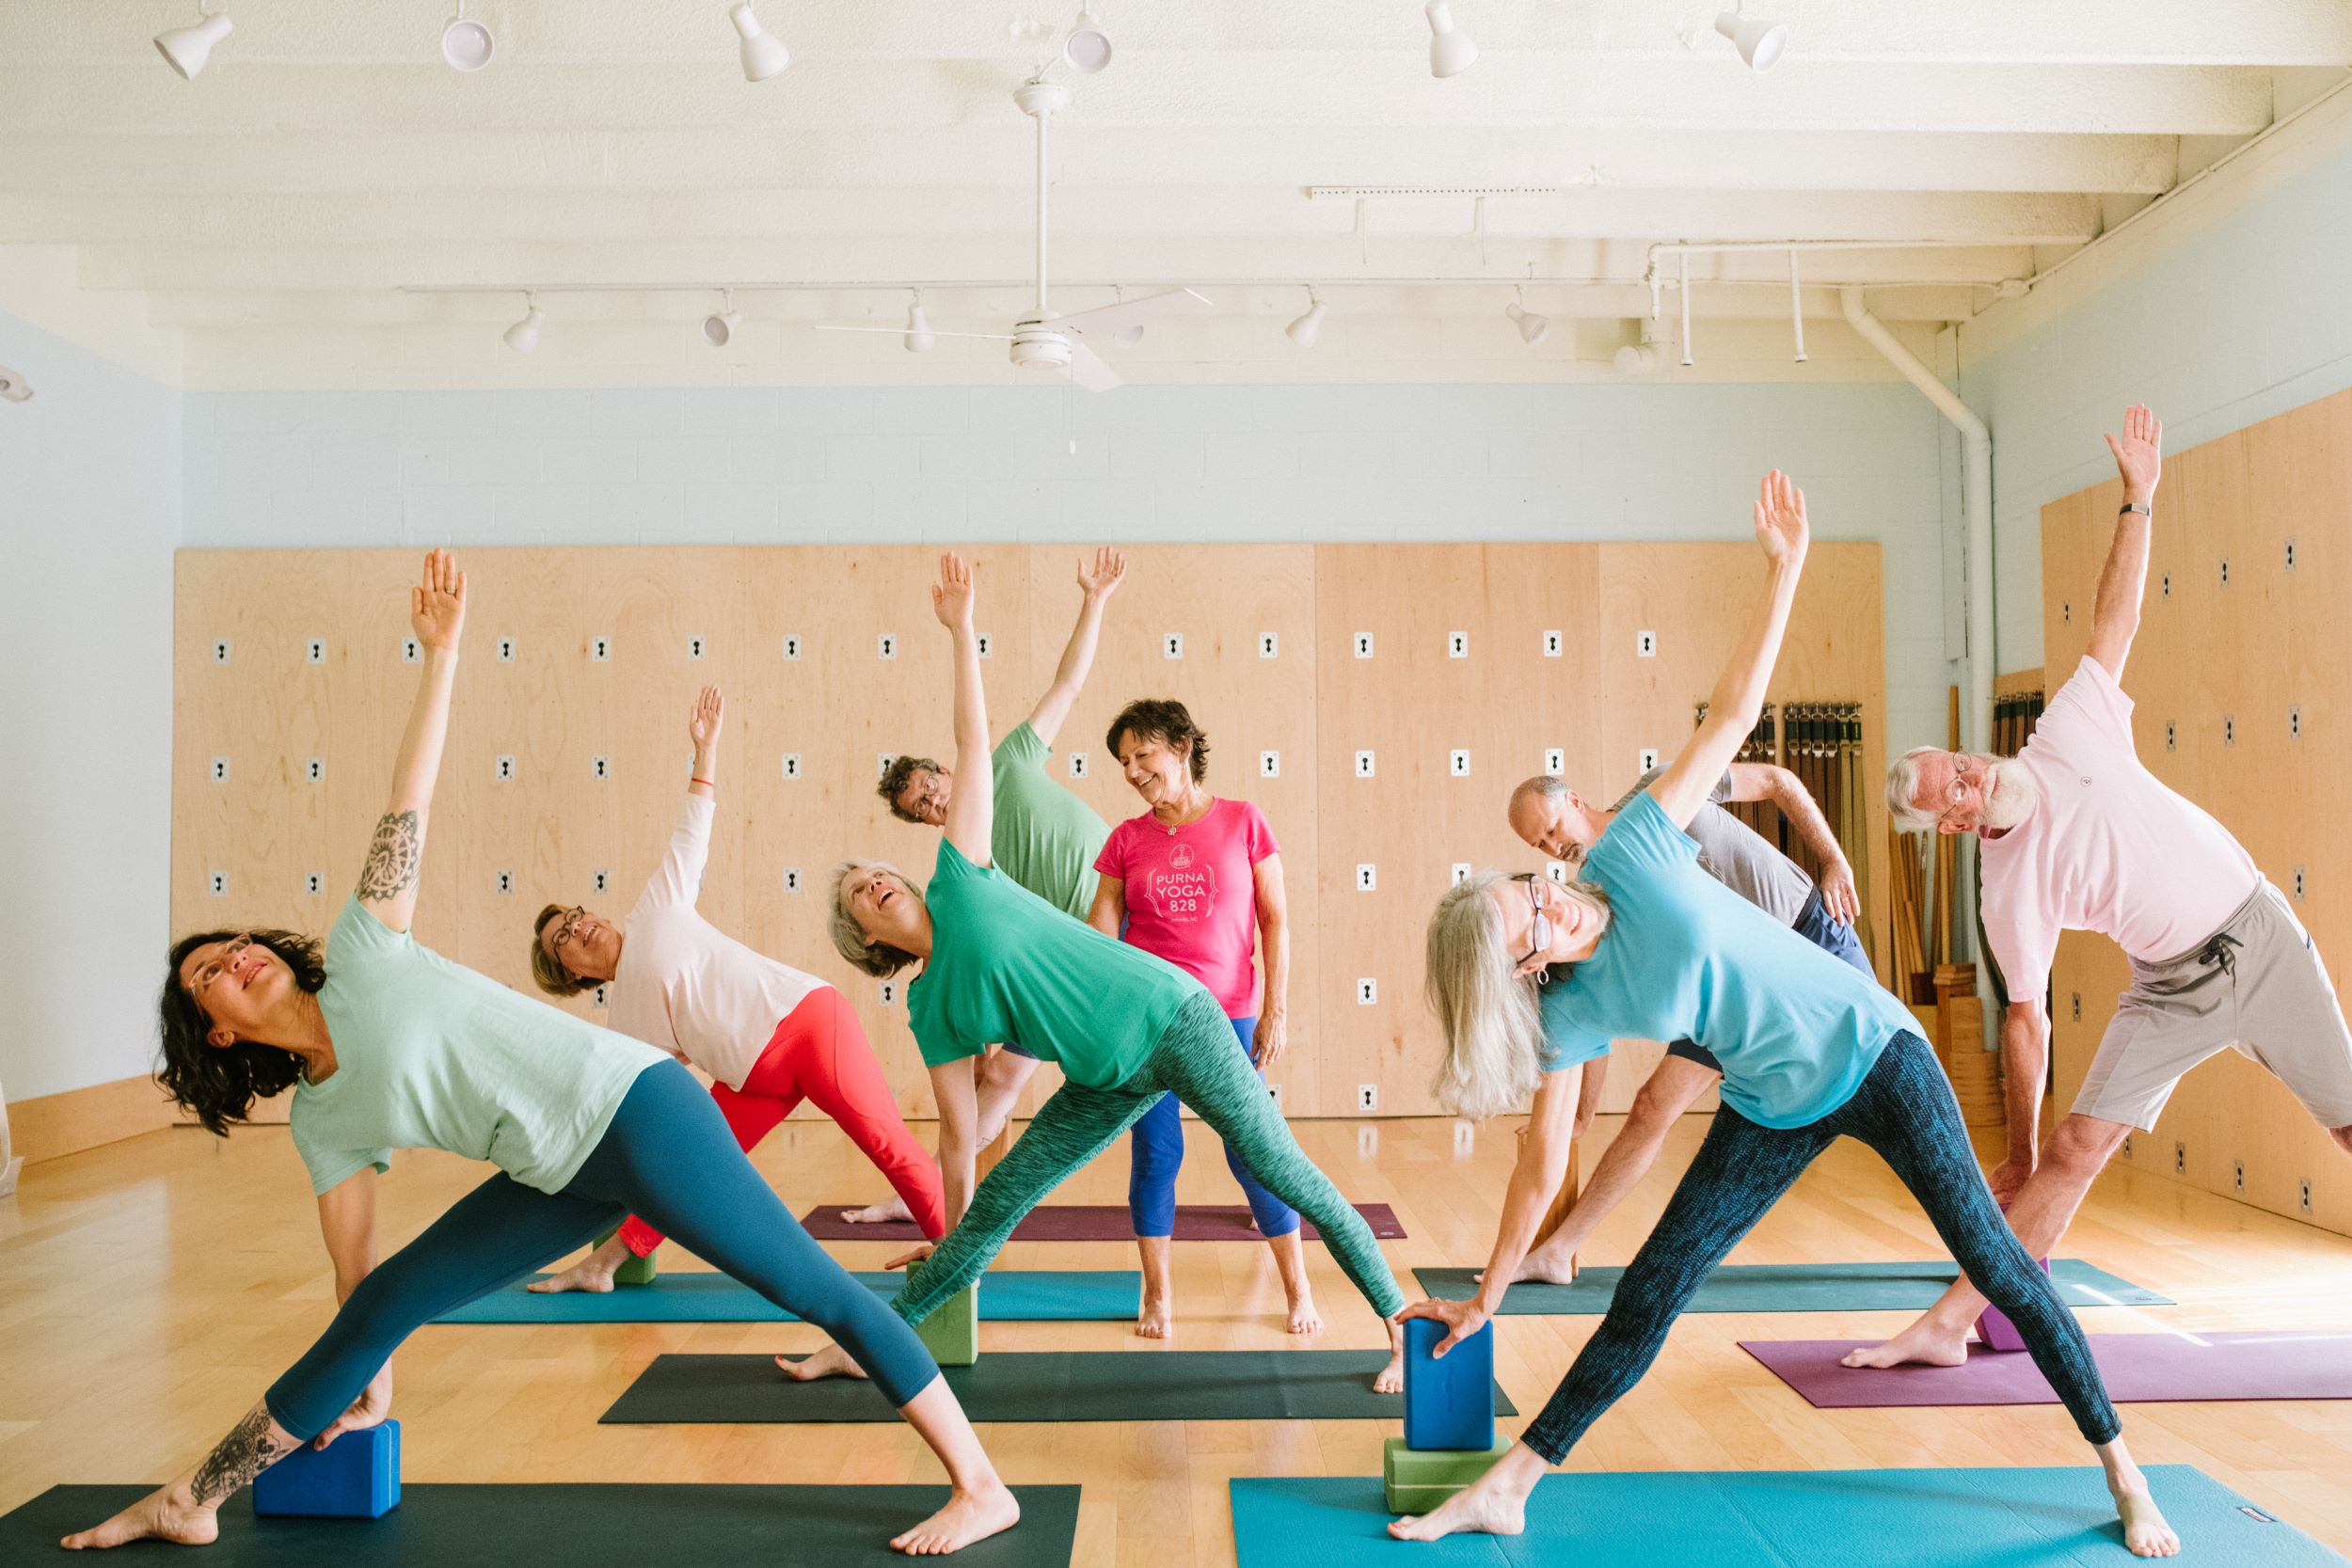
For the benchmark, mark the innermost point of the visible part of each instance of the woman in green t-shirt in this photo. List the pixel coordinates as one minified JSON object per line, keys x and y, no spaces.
{"x":389,"y":1045}
{"x":1000,"y":964}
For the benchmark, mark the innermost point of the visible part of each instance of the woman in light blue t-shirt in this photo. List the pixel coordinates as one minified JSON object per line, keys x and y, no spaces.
{"x":387,"y":1045}
{"x":1648,"y":946}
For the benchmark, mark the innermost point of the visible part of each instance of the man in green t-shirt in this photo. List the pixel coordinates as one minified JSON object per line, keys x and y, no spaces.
{"x":1044,"y":837}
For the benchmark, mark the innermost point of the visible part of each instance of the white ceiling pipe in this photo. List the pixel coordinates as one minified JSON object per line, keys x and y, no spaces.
{"x":1796,"y":306}
{"x":1686,"y":312}
{"x":1976,"y":499}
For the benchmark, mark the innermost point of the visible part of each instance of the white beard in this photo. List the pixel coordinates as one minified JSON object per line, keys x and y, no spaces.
{"x":2011,"y":795}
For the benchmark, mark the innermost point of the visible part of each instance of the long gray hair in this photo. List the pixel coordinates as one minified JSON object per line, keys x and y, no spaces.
{"x":1494,"y":1032}
{"x":878,"y":958}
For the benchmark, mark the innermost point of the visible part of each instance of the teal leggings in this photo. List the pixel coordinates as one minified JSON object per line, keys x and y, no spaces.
{"x":1194,"y":1059}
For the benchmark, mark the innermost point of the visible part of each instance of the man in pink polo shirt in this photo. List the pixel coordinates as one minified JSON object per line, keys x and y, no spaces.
{"x":2075,"y":834}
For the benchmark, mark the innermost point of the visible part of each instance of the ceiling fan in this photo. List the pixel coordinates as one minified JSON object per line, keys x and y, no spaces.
{"x":1061,"y":344}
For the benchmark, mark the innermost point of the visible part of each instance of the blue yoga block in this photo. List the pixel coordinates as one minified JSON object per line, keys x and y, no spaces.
{"x":1449,"y":1403}
{"x":355,"y":1476}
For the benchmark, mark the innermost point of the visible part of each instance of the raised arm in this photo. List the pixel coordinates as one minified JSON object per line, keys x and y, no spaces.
{"x":1077,"y":655}
{"x":1739,"y":696}
{"x":703,"y":724}
{"x":1763,"y":781}
{"x":2124,"y":580}
{"x":678,"y":878}
{"x":437,"y":613}
{"x":972,"y":809}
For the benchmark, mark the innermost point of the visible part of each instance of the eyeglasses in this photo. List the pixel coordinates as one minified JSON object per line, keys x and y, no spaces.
{"x":220,"y":963}
{"x":1539,"y":930}
{"x":1962,"y":785}
{"x":567,"y":928}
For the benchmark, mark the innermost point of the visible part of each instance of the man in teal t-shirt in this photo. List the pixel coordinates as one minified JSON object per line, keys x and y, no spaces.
{"x":1044,"y":837}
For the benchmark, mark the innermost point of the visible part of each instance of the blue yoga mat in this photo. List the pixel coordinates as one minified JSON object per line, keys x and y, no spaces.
{"x":1791,"y":1288}
{"x":1972,"y":1518}
{"x":1007,"y":1297}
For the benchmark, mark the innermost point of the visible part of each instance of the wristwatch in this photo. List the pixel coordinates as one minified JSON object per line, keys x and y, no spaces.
{"x":2133,"y":506}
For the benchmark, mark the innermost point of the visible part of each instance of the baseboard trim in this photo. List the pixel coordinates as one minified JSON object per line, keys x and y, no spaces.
{"x":48,"y":1126}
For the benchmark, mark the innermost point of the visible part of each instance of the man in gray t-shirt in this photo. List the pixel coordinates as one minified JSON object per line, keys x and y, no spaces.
{"x":1552,"y":817}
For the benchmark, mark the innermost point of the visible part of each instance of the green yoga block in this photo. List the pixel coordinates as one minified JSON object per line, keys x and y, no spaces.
{"x":637,"y":1271}
{"x":1417,"y":1479}
{"x":952,"y":1333}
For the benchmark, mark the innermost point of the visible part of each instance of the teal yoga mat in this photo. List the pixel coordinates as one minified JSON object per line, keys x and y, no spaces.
{"x":1791,"y":1288}
{"x":1972,"y":1518}
{"x":1007,"y":1297}
{"x":504,"y":1527}
{"x":1036,"y":1386}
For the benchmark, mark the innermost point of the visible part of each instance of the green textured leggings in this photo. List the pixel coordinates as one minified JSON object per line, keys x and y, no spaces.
{"x":1194,"y":1059}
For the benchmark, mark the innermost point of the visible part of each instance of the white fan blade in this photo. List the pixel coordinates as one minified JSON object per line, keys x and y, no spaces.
{"x":1087,"y":369}
{"x":901,"y":332}
{"x":1109,"y":321}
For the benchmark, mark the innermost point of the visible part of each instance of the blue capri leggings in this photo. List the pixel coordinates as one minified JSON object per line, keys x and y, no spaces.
{"x":1156,"y":1153}
{"x":667,"y":1156}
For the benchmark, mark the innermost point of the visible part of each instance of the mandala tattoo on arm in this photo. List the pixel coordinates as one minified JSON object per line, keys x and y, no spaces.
{"x":245,"y":1452}
{"x":394,"y":856}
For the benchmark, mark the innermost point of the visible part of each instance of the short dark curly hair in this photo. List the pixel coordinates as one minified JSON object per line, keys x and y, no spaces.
{"x":218,"y":1085}
{"x":895,"y":778}
{"x":1166,"y":720}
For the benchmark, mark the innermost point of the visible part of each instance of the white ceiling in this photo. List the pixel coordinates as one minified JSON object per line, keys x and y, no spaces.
{"x":283,"y":207}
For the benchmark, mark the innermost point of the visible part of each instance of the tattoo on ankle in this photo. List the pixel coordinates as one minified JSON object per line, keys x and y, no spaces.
{"x":393,"y":857}
{"x":245,"y":1452}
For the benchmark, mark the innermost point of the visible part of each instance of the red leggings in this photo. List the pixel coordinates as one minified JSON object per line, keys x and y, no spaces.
{"x":820,"y":1052}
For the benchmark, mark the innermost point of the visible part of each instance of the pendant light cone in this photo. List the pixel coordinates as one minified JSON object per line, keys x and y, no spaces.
{"x":186,"y":48}
{"x":1760,"y":43}
{"x":1450,"y":52}
{"x":764,"y":54}
{"x":1308,"y":327}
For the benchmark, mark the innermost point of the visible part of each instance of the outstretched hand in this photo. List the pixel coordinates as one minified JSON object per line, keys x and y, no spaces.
{"x":437,"y":607}
{"x":2139,"y":455}
{"x":952,"y":594}
{"x":1110,"y":569}
{"x":704,"y":719}
{"x":905,"y":1259}
{"x":1780,"y":522}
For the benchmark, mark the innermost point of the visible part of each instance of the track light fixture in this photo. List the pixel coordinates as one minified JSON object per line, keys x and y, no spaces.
{"x":524,"y":334}
{"x":1451,"y":51}
{"x":919,"y":337}
{"x":1760,"y":43}
{"x":719,"y":328}
{"x":1307,"y":328}
{"x":466,"y":45}
{"x":764,"y":54}
{"x":1088,"y":49}
{"x":186,"y":48}
{"x":13,"y":386}
{"x":1532,"y":328}
{"x":1642,"y":358}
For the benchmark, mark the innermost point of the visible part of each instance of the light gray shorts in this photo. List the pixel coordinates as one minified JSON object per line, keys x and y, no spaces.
{"x":2255,"y":985}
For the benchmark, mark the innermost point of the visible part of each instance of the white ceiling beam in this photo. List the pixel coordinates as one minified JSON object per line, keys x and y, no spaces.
{"x":2274,"y":32}
{"x":439,"y":219}
{"x":1000,"y":154}
{"x":1513,"y":93}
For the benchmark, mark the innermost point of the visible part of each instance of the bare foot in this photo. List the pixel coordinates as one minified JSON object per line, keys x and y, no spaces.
{"x":887,"y":1213}
{"x":157,"y":1516}
{"x":833,"y":1361}
{"x":1925,"y":1342}
{"x":1480,"y":1508}
{"x":2144,"y":1530}
{"x":1157,"y":1320}
{"x":969,"y":1516}
{"x":1391,"y":1378}
{"x":583,"y":1275}
{"x":1304,"y":1318}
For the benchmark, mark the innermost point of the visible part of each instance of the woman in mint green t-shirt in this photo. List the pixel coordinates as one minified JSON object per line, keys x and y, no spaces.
{"x":1000,"y":964}
{"x":1648,"y":946}
{"x":389,"y":1045}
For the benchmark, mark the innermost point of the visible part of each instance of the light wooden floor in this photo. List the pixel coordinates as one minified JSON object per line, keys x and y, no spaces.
{"x":150,"y":1289}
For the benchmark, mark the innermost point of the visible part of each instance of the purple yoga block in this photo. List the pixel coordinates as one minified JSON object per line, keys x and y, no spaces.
{"x":355,"y":1476}
{"x":1448,"y":1403}
{"x":1996,"y":1329}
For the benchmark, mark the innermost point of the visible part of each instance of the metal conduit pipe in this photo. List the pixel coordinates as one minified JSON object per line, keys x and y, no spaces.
{"x":1975,"y":496}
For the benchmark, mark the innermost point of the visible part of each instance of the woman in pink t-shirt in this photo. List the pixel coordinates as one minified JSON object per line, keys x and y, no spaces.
{"x":1198,"y":881}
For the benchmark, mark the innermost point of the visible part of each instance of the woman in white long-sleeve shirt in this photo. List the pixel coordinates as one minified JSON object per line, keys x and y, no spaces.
{"x":769,"y":1035}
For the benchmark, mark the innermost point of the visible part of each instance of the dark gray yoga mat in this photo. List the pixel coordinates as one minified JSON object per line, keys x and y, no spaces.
{"x":1038,"y":1386}
{"x":516,"y":1527}
{"x":1094,"y":1222}
{"x":1790,"y":1288}
{"x":2137,"y":1368}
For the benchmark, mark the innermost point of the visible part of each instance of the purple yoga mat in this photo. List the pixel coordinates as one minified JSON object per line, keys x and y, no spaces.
{"x":1093,"y":1222}
{"x":2139,"y":1369}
